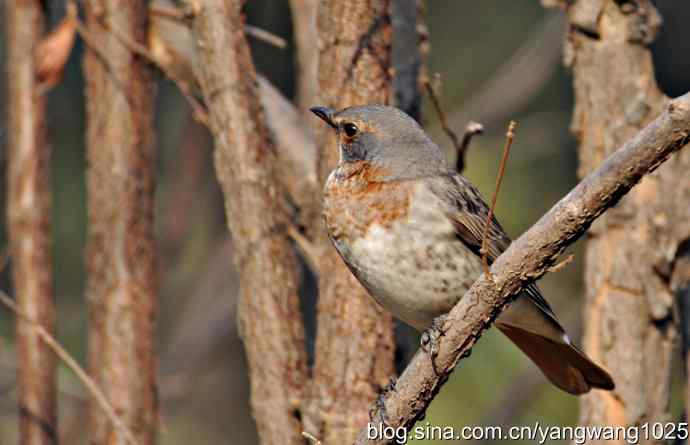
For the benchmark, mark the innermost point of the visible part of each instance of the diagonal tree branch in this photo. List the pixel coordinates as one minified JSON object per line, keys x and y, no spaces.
{"x":530,"y":257}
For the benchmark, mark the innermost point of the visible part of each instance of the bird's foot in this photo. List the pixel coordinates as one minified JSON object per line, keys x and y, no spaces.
{"x":380,"y":405}
{"x":429,"y":340}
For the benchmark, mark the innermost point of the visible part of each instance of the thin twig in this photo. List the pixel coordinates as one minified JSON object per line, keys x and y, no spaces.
{"x":183,"y":15}
{"x":309,"y":250}
{"x":471,"y":129}
{"x":311,"y":438}
{"x":198,"y":109}
{"x":171,"y":12}
{"x":89,"y":40}
{"x":560,"y":265}
{"x":137,"y":48}
{"x":71,"y":363}
{"x":433,"y":95}
{"x":501,"y":172}
{"x":265,"y":36}
{"x":4,"y":258}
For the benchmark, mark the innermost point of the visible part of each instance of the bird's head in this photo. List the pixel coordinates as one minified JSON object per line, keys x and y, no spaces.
{"x":385,"y":138}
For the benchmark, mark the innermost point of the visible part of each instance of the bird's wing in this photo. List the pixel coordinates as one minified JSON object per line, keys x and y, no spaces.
{"x":468,"y":211}
{"x":529,"y":322}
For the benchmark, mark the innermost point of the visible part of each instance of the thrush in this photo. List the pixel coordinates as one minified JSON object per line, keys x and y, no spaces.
{"x":410,"y":229}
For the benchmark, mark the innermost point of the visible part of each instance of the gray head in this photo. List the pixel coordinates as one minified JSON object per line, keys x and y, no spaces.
{"x":386,"y":138}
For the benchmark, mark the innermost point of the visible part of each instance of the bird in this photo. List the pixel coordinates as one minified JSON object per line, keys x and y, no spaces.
{"x":410,"y":230}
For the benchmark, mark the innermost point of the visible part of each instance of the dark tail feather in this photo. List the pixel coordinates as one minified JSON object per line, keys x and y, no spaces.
{"x":565,"y":365}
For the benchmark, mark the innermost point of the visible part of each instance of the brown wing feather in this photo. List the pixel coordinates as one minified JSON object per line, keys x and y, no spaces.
{"x":530,"y":322}
{"x":468,"y":211}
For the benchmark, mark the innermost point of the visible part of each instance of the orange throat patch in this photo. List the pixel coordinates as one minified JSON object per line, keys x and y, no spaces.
{"x":356,"y":198}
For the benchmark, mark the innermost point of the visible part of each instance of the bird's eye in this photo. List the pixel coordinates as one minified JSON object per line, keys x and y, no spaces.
{"x":350,"y":129}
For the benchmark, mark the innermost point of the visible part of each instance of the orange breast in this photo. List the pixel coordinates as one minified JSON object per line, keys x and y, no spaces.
{"x":357,"y":198}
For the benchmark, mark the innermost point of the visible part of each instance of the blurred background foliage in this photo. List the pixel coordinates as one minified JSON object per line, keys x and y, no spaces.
{"x":499,"y":60}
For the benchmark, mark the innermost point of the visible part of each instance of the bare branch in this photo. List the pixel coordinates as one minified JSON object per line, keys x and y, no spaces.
{"x":171,"y":12}
{"x":499,"y":178}
{"x":185,"y":85}
{"x":433,"y":95}
{"x":295,"y":146}
{"x":471,"y":129}
{"x":530,"y":256}
{"x":172,"y":46}
{"x":311,"y":438}
{"x":265,"y":36}
{"x":72,"y":364}
{"x":52,"y":53}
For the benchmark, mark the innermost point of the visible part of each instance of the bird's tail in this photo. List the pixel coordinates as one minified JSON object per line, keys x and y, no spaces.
{"x":551,"y":350}
{"x":564,"y":364}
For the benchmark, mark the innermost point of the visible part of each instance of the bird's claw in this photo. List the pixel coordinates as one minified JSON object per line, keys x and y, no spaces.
{"x":429,"y":339}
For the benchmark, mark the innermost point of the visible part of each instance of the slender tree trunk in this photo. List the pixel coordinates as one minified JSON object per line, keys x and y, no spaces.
{"x":28,"y":213}
{"x":680,"y":283}
{"x":305,"y":34}
{"x":408,"y":49}
{"x":354,"y":344}
{"x":628,"y":309}
{"x":121,"y":260}
{"x":268,"y":314}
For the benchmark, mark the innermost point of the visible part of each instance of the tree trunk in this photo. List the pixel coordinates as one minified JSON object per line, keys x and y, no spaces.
{"x":680,"y":283}
{"x":408,"y":48}
{"x":28,"y":214}
{"x":354,"y":344}
{"x":269,"y":313}
{"x":121,"y":263}
{"x":305,"y":34}
{"x":628,"y":315}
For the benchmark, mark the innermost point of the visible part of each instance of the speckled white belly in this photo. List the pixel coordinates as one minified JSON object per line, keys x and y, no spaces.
{"x":417,"y":269}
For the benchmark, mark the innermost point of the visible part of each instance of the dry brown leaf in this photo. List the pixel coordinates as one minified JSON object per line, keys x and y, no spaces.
{"x":52,"y":53}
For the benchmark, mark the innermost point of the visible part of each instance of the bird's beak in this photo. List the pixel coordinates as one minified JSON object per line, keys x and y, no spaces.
{"x":324,"y":113}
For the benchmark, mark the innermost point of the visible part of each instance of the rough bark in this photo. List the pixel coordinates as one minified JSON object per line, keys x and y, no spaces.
{"x":28,"y":214}
{"x":529,"y":257}
{"x":628,"y":305}
{"x":354,"y":343}
{"x":172,"y":44}
{"x":268,"y":314}
{"x":305,"y":34}
{"x":121,"y":263}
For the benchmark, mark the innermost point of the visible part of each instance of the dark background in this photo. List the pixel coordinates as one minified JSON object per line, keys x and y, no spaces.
{"x":499,"y":60}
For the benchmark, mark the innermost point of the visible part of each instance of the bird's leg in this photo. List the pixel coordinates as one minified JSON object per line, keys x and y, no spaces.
{"x":429,"y":340}
{"x":380,"y":405}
